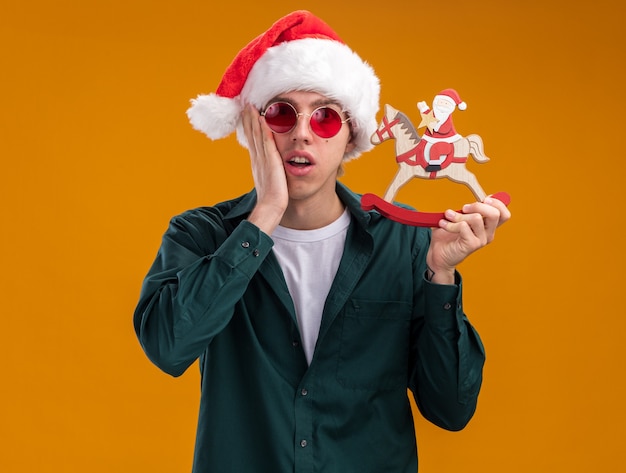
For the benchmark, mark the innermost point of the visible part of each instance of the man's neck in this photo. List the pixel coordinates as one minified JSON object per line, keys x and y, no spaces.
{"x":312,"y":214}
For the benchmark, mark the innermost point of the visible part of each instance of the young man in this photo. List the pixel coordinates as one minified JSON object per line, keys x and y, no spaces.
{"x":310,"y":316}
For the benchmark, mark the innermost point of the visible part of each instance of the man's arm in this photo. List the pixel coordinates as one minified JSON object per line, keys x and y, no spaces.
{"x":447,"y":356}
{"x":447,"y":353}
{"x":190,"y":292}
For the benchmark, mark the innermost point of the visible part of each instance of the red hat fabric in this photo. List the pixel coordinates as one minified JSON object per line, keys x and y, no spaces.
{"x":454,"y":95}
{"x":298,"y":52}
{"x":297,"y":25}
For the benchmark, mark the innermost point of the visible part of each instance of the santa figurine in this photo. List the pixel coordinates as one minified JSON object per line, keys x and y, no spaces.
{"x":436,"y":147}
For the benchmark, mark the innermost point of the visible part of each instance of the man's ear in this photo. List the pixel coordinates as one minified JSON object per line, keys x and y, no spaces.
{"x":350,"y":145}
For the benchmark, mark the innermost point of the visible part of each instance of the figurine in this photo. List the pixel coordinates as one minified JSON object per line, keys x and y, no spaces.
{"x":440,"y":152}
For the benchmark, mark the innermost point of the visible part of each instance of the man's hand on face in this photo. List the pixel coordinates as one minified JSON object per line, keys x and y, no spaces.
{"x":268,"y":172}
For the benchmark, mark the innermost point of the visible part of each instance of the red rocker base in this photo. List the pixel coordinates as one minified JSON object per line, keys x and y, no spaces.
{"x":412,"y":217}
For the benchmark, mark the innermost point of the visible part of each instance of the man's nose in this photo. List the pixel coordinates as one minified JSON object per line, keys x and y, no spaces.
{"x":302,"y":128}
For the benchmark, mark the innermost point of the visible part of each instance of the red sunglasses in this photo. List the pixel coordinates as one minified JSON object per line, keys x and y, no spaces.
{"x":282,"y":117}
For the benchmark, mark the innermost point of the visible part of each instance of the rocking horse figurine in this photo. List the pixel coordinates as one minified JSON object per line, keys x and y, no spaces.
{"x":440,"y":152}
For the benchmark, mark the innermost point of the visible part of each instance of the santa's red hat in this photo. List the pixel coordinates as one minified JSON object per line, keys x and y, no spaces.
{"x":299,"y":52}
{"x":454,"y":95}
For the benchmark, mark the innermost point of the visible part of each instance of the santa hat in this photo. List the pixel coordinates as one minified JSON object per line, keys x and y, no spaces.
{"x":299,"y":52}
{"x":454,"y":95}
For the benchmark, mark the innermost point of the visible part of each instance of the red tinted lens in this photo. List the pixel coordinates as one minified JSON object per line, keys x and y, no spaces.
{"x":325,"y":122}
{"x":280,"y":117}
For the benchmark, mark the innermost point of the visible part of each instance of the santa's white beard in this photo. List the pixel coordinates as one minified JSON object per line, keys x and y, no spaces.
{"x":442,"y":115}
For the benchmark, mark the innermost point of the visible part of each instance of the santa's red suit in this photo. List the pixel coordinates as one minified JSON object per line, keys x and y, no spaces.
{"x":435,"y":150}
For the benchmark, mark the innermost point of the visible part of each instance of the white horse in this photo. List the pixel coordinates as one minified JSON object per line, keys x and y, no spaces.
{"x":396,"y":125}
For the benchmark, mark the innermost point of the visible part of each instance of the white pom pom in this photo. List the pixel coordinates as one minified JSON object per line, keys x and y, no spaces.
{"x":213,"y":115}
{"x":462,"y":106}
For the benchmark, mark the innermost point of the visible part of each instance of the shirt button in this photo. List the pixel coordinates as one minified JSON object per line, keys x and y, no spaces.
{"x":303,"y":443}
{"x":295,"y":343}
{"x":245,"y":244}
{"x":256,"y":253}
{"x":447,"y":306}
{"x":304,"y":392}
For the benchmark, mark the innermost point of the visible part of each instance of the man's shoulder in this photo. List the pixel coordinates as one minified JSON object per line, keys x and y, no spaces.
{"x":217,"y":213}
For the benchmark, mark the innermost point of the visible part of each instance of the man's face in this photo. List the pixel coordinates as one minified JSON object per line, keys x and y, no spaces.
{"x":311,"y":162}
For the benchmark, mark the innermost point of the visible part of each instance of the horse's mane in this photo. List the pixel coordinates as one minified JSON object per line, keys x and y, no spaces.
{"x":407,"y":124}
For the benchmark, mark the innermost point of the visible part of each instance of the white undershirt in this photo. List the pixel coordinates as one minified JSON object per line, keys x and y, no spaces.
{"x":309,"y":260}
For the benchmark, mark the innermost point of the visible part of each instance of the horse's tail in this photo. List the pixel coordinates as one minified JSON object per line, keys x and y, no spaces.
{"x":477,"y":149}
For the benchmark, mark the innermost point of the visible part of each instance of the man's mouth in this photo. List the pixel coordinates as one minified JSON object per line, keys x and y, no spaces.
{"x":299,"y":161}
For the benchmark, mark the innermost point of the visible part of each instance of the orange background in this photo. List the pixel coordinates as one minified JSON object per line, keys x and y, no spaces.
{"x":97,"y":155}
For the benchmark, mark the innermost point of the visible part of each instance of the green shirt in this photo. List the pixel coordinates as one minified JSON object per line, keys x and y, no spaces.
{"x":216,"y":292}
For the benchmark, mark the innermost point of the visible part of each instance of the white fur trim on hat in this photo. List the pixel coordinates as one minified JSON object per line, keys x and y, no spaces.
{"x":215,"y":116}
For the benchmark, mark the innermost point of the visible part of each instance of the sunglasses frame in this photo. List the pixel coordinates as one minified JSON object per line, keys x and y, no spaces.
{"x":310,"y":115}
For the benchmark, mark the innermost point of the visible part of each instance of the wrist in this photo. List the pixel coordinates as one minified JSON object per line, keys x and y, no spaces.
{"x":266,"y":217}
{"x":440,"y":276}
